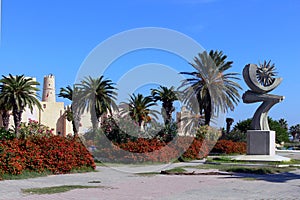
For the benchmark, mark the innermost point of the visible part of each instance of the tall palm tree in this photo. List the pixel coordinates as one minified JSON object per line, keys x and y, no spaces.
{"x":283,"y":123}
{"x":214,"y":90}
{"x":167,"y":96}
{"x":295,"y":130}
{"x":100,"y":95}
{"x":139,"y":109}
{"x":74,"y":112}
{"x":19,"y":92}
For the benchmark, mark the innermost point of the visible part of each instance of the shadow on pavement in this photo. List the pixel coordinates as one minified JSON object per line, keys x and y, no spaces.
{"x":275,"y":178}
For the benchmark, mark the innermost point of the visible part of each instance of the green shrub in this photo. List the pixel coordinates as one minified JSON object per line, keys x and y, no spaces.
{"x":6,"y":134}
{"x":281,"y":130}
{"x":236,"y":136}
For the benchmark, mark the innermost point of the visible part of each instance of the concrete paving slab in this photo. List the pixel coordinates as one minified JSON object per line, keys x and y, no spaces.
{"x":124,"y":185}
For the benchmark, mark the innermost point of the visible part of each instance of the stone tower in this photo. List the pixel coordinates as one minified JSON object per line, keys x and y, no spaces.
{"x":49,"y":89}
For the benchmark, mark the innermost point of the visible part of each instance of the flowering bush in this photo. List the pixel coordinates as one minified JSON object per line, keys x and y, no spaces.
{"x":152,"y":150}
{"x":197,"y":150}
{"x":229,"y":147}
{"x":54,"y":153}
{"x":118,"y":141}
{"x":34,"y":128}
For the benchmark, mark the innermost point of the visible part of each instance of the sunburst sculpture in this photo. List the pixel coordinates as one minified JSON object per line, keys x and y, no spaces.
{"x":266,"y":73}
{"x":261,"y":80}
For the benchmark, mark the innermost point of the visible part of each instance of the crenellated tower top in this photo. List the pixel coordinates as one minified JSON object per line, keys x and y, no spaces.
{"x":49,"y":89}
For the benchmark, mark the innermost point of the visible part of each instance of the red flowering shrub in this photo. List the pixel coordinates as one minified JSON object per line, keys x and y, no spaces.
{"x":54,"y":153}
{"x":153,"y":150}
{"x":11,"y":157}
{"x":229,"y":147}
{"x":142,"y":145}
{"x":197,"y":150}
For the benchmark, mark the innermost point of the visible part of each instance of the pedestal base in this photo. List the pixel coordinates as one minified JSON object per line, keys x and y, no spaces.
{"x":261,"y":142}
{"x":261,"y":158}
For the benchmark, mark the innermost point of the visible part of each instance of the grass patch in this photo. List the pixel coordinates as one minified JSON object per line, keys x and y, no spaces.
{"x":57,"y":189}
{"x":219,"y":159}
{"x":176,"y":170}
{"x":33,"y":174}
{"x":209,"y":166}
{"x":246,"y":169}
{"x":259,"y":170}
{"x":25,"y":175}
{"x":228,"y":159}
{"x":82,"y":170}
{"x":148,"y":173}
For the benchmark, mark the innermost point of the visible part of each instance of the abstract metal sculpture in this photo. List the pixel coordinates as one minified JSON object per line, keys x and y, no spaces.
{"x":261,"y":80}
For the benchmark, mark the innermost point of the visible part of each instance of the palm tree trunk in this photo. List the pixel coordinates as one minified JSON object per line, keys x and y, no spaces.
{"x":17,"y":114}
{"x":94,"y":120}
{"x":207,"y":113}
{"x":207,"y":117}
{"x":75,"y":123}
{"x":74,"y":128}
{"x":167,"y":109}
{"x":170,"y":109}
{"x":5,"y":119}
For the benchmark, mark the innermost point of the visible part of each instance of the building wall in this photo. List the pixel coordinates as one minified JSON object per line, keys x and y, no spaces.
{"x":85,"y":123}
{"x":51,"y":116}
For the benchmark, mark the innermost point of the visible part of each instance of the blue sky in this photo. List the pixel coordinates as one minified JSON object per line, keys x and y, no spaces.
{"x":42,"y":37}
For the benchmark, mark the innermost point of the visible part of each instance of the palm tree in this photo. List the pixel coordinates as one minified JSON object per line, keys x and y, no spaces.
{"x":19,"y":92}
{"x":74,"y":112}
{"x":229,"y":122}
{"x":214,"y":90}
{"x":99,"y":95}
{"x":167,"y":96}
{"x":283,"y":123}
{"x":295,"y":130}
{"x":139,"y":110}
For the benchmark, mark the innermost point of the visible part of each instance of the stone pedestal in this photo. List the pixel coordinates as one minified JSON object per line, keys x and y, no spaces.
{"x":261,"y":142}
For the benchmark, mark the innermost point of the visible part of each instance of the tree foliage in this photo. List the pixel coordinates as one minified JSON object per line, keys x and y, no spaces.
{"x":295,"y":130}
{"x":279,"y":126}
{"x":99,"y":96}
{"x":19,"y":92}
{"x":215,"y":90}
{"x":139,"y":109}
{"x":167,"y":96}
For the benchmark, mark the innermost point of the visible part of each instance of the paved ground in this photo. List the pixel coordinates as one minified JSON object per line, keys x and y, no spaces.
{"x":120,"y":184}
{"x":295,"y":154}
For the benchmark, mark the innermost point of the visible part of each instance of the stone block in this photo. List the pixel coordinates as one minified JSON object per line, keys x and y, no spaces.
{"x":260,"y":142}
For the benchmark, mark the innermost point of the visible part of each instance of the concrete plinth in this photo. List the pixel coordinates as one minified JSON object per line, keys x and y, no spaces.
{"x":261,"y":142}
{"x":261,"y":158}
